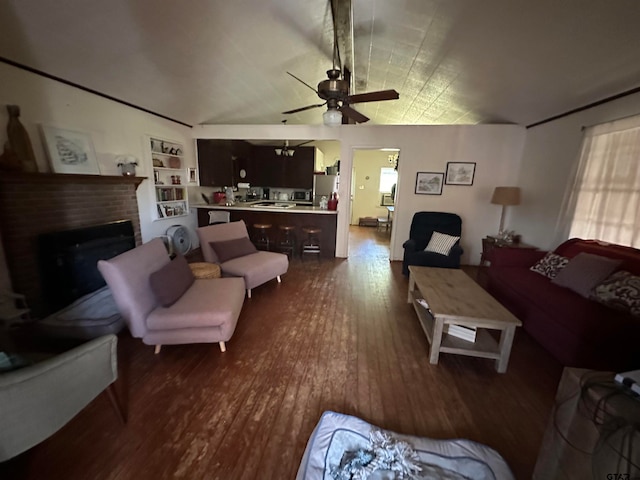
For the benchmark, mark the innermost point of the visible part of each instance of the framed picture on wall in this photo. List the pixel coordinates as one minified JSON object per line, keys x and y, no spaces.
{"x":70,"y":151}
{"x":192,"y":175}
{"x":429,"y":183}
{"x":460,"y":173}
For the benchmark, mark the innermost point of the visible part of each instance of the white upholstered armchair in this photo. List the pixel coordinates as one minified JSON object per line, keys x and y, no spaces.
{"x":39,"y":399}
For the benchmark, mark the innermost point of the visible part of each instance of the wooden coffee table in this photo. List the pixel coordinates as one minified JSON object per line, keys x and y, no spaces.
{"x":454,"y":298}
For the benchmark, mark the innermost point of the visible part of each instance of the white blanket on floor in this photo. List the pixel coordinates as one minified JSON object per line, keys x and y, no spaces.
{"x":337,"y":434}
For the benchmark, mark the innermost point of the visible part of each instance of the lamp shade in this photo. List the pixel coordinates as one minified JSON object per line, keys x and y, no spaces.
{"x":332,"y":117}
{"x":506,"y":196}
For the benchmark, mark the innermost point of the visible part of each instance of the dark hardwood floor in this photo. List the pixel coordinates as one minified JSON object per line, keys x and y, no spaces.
{"x":334,"y":335}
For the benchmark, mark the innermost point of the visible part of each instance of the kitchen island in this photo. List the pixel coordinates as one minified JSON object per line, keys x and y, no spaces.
{"x":280,"y":213}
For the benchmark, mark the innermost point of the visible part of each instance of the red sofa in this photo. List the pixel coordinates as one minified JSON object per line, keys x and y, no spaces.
{"x":579,"y":332}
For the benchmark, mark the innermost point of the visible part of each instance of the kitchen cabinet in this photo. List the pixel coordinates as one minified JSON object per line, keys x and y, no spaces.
{"x":215,"y":162}
{"x":298,"y":170}
{"x":169,"y":178}
{"x":226,"y":162}
{"x":265,"y":168}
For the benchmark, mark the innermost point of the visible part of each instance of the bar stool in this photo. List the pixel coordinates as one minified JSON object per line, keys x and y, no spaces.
{"x":261,"y":236}
{"x":287,"y":240}
{"x":311,"y":243}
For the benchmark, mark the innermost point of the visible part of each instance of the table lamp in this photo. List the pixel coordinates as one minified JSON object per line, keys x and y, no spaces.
{"x":505,"y":196}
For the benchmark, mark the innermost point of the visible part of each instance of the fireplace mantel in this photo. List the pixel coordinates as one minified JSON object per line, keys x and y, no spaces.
{"x":9,"y":177}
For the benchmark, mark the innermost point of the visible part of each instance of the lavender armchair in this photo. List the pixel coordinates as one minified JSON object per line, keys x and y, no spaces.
{"x":207,"y":312}
{"x":255,"y":268}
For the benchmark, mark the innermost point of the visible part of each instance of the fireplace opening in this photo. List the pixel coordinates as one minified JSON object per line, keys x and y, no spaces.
{"x":68,"y":260}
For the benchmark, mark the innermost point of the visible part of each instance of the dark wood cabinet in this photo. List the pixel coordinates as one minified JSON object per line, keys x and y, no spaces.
{"x":326,"y":222}
{"x":223,"y":162}
{"x":271,"y":170}
{"x":215,"y":163}
{"x":219,"y":161}
{"x":298,"y":170}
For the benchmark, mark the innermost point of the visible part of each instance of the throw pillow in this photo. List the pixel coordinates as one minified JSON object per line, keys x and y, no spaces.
{"x":230,"y":249}
{"x":441,"y":243}
{"x":171,"y":281}
{"x":550,"y":265}
{"x":585,"y":271}
{"x":620,"y":291}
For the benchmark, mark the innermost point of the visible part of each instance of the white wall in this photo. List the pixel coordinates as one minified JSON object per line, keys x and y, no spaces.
{"x":496,"y":149}
{"x":550,"y":153}
{"x":114,"y":128}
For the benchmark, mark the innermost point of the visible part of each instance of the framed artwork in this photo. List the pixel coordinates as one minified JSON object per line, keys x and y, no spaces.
{"x":192,"y":175}
{"x":429,"y":183}
{"x":460,"y":173}
{"x":70,"y":151}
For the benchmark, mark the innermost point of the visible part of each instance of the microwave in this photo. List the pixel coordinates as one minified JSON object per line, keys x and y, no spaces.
{"x":302,"y":195}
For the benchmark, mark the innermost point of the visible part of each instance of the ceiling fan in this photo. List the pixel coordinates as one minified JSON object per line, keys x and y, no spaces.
{"x":335,"y":90}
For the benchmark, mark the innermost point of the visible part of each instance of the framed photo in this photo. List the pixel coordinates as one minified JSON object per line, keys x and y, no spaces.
{"x":192,"y":175}
{"x":460,"y":173}
{"x":429,"y":183}
{"x":70,"y":151}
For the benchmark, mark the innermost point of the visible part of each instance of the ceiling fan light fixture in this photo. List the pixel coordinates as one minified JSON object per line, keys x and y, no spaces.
{"x":278,"y":151}
{"x":332,"y":117}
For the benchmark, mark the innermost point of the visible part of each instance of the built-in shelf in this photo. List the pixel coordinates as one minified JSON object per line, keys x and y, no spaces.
{"x":169,"y":179}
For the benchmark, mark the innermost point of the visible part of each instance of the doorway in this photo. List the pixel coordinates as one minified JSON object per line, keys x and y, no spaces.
{"x":373,"y":179}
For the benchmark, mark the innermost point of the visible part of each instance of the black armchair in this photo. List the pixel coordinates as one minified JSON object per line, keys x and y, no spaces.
{"x":422,"y":227}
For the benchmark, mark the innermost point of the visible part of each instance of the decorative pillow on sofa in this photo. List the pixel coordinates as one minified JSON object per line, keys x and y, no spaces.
{"x":585,"y":271}
{"x":550,"y":265}
{"x":620,"y":291}
{"x":171,"y":281}
{"x":441,"y":243}
{"x":230,"y":249}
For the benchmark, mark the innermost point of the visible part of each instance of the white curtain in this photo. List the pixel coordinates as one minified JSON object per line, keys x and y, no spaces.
{"x":605,"y":196}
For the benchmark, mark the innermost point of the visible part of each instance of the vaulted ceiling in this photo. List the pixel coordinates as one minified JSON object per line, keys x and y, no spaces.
{"x":225,"y":62}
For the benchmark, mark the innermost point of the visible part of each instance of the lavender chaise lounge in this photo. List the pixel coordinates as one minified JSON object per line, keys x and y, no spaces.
{"x":255,"y":268}
{"x":205,"y":313}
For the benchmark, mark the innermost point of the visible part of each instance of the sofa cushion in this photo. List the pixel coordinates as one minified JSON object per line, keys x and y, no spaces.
{"x":620,"y":291}
{"x":171,"y":281}
{"x":230,"y":249}
{"x":630,"y":256}
{"x":536,"y":296}
{"x":257,"y":268}
{"x":213,"y":302}
{"x":550,"y":265}
{"x":441,"y":243}
{"x":585,"y":271}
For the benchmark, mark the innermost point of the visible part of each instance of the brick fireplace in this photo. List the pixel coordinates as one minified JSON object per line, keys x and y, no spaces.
{"x":32,"y":204}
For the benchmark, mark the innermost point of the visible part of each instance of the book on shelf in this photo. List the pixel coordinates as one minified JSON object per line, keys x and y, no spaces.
{"x":461,"y":331}
{"x":630,"y":380}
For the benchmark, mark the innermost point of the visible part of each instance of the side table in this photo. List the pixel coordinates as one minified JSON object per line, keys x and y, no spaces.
{"x":490,"y":243}
{"x":593,"y":430}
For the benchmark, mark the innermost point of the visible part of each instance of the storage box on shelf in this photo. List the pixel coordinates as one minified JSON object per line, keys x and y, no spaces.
{"x":170,"y":178}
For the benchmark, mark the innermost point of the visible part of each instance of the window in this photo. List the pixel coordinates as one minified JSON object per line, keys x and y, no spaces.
{"x":605,"y":196}
{"x":388,"y":178}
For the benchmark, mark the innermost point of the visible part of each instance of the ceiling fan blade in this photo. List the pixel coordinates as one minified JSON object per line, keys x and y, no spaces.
{"x":308,"y":107}
{"x":303,"y":82}
{"x":353,"y":114}
{"x":374,"y":96}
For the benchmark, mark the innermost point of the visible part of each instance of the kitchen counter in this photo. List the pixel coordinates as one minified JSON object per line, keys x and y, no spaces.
{"x":252,"y":207}
{"x":299,"y":216}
